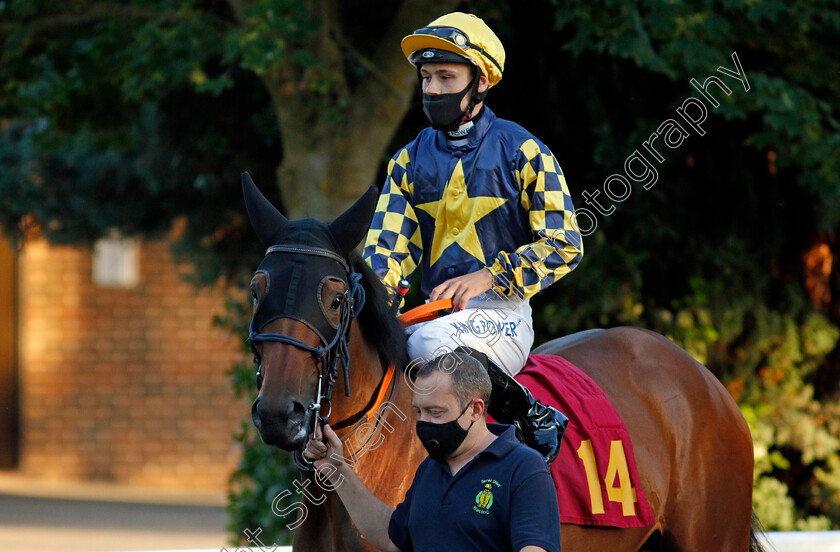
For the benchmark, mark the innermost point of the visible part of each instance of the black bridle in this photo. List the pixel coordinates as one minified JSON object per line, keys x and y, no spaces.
{"x":328,"y":354}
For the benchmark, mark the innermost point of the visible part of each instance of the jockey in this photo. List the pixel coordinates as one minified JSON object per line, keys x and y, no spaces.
{"x":482,"y":208}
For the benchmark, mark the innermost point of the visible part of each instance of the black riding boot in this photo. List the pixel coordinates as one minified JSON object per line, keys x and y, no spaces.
{"x":539,"y":426}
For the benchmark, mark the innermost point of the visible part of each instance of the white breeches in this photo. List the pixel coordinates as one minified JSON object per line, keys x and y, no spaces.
{"x":503,"y":331}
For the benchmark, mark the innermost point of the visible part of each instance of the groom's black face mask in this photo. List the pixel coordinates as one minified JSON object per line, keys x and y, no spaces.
{"x":441,"y":440}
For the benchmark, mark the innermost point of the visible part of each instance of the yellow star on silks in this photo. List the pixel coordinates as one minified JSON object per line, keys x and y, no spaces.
{"x":455,"y":215}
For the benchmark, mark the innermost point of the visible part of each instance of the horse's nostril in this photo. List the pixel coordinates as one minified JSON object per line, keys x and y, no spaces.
{"x":256,"y":414}
{"x":298,"y":410}
{"x":288,"y":410}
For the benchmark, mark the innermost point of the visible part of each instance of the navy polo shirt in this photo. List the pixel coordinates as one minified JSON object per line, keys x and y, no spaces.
{"x":501,"y":500}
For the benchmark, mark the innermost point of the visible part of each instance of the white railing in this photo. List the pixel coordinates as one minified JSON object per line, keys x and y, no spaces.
{"x":812,"y":541}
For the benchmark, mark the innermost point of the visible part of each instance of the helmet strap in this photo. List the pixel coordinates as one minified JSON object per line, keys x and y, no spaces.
{"x":475,"y":98}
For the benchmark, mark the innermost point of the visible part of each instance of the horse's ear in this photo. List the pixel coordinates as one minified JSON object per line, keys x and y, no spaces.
{"x":267,"y":221}
{"x":352,"y":225}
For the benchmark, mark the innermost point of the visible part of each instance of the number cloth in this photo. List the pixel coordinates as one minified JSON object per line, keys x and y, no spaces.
{"x":595,"y":473}
{"x":500,"y":202}
{"x":502,"y":500}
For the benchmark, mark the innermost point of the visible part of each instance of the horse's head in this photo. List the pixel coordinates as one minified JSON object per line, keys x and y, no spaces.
{"x":305,"y":295}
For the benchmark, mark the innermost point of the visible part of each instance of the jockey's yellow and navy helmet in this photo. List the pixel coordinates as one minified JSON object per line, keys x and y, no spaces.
{"x":463,"y":34}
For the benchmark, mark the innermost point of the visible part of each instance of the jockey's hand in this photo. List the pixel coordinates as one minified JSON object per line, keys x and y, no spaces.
{"x":331,"y":452}
{"x":463,"y":288}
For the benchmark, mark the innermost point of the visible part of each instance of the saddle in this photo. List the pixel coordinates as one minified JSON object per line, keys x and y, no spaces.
{"x":425,"y":312}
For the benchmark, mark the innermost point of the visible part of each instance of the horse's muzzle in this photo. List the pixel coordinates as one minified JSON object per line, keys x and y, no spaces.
{"x":284,"y":426}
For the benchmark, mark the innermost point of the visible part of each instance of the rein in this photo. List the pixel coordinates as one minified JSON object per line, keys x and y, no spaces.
{"x":328,"y":355}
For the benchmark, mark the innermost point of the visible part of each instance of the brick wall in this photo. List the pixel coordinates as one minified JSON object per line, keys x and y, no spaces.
{"x":124,"y":385}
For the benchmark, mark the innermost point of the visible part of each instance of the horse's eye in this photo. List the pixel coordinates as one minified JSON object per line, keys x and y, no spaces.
{"x":336,"y":302}
{"x":254,"y":294}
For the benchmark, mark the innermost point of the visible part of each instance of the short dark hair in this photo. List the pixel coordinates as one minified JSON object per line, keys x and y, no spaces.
{"x":469,"y":378}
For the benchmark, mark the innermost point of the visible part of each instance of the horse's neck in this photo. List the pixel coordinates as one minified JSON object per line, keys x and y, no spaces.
{"x":381,"y":450}
{"x":366,"y":372}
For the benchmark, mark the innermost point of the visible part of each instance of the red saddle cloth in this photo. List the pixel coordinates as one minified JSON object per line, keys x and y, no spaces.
{"x":595,"y":472}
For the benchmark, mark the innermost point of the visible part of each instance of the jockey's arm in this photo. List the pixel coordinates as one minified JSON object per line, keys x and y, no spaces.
{"x":556,"y":248}
{"x":392,"y":246}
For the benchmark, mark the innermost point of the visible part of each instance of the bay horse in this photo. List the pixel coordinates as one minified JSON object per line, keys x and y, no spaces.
{"x":692,"y":446}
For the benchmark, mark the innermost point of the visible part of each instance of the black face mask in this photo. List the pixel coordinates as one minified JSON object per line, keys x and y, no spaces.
{"x":444,"y":110}
{"x":441,"y":440}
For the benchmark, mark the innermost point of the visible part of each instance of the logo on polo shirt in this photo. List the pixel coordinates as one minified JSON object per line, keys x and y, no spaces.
{"x":484,"y":498}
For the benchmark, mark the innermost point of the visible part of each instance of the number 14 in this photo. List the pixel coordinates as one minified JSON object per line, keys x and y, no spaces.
{"x":623,"y":493}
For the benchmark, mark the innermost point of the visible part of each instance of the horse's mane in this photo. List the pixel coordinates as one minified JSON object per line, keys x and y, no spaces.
{"x":378,"y":325}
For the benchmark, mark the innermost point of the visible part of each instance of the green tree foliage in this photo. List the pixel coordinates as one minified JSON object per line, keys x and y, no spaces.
{"x":102,"y":126}
{"x":768,"y":357}
{"x":715,"y":254}
{"x":787,"y":47}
